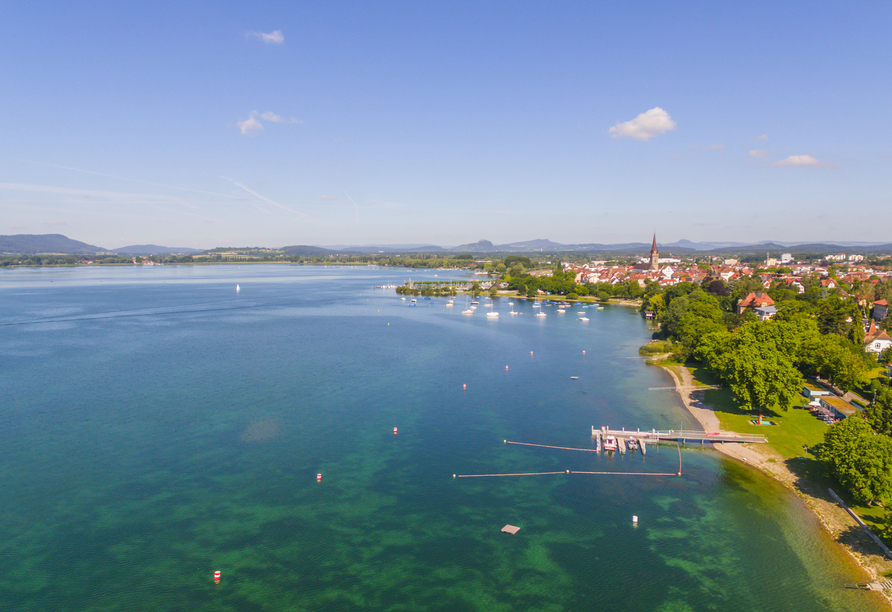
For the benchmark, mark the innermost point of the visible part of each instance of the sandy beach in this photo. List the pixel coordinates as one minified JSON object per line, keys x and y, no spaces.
{"x":834,"y":518}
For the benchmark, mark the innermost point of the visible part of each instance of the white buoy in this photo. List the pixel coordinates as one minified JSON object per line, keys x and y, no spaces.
{"x":237,"y":288}
{"x":506,"y":368}
{"x":635,"y":519}
{"x":464,"y":386}
{"x":394,"y":431}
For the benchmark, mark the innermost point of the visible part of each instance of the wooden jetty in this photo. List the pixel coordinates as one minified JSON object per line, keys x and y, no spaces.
{"x":683,"y":436}
{"x":621,"y":442}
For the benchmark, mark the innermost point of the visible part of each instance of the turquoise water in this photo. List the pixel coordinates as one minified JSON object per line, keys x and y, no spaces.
{"x":157,"y":426}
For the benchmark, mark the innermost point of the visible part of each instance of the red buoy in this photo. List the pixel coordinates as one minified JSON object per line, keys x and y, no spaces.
{"x":464,"y":386}
{"x":217,"y":576}
{"x":583,"y":352}
{"x":506,"y":367}
{"x":318,"y":477}
{"x":394,"y":431}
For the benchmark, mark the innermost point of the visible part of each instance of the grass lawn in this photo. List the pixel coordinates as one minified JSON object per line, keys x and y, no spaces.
{"x":797,"y":426}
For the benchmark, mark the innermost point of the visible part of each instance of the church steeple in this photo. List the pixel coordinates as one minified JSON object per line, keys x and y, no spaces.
{"x":654,"y":255}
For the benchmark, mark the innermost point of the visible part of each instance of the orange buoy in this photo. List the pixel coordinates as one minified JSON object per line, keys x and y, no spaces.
{"x":318,"y":477}
{"x":464,"y":386}
{"x":583,"y":352}
{"x":217,"y":576}
{"x":531,"y":353}
{"x":394,"y":431}
{"x":506,"y":368}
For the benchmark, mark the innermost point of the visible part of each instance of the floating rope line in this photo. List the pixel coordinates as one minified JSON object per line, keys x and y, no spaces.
{"x":573,"y":471}
{"x":628,"y":473}
{"x":587,"y":450}
{"x":492,"y":475}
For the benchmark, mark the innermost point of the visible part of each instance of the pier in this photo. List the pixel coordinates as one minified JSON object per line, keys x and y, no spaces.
{"x":682,"y":436}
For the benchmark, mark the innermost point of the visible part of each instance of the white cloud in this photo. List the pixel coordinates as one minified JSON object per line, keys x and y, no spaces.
{"x":249,"y":125}
{"x":762,"y":138}
{"x":798,"y":160}
{"x":714,"y":147}
{"x":275,"y":36}
{"x":759,"y":153}
{"x":252,"y":124}
{"x":270,"y":116}
{"x":654,"y":122}
{"x":328,"y":197}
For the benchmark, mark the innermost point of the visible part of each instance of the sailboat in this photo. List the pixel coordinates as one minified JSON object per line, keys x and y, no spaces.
{"x":492,"y":314}
{"x":467,"y":311}
{"x":237,"y":288}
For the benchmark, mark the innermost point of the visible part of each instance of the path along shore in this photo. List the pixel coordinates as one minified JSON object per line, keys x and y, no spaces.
{"x":838,"y":523}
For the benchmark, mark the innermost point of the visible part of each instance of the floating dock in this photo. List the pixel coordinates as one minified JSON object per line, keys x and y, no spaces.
{"x":677,"y":435}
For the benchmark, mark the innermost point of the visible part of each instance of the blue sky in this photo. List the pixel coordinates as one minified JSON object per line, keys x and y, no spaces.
{"x":231,"y":124}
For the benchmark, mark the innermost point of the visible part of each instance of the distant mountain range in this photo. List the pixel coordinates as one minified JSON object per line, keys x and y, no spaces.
{"x":680,"y":247}
{"x":57,"y":243}
{"x":27,"y":244}
{"x":46,"y":243}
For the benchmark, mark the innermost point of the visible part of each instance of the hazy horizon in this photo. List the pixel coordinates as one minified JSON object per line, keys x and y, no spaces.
{"x":350,"y":123}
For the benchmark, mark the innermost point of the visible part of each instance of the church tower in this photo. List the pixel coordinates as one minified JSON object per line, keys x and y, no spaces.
{"x":654,"y":255}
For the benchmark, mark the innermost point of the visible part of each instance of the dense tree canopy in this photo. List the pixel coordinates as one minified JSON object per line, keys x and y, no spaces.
{"x":861,"y":459}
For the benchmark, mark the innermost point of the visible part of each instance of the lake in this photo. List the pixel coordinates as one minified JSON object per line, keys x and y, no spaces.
{"x":157,"y":426}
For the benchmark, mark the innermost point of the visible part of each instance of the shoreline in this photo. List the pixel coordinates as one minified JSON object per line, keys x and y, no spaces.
{"x":833,"y":518}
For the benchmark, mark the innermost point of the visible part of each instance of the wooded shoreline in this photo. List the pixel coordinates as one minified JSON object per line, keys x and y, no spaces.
{"x":835,"y":520}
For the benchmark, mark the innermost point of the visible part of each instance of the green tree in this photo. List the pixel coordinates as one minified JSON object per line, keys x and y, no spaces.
{"x":861,"y":459}
{"x":654,"y":304}
{"x":759,"y":375}
{"x":701,"y":317}
{"x":839,"y":362}
{"x":879,"y":414}
{"x":841,"y":317}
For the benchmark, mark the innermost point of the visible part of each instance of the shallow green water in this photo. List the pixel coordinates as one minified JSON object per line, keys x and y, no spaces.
{"x":157,"y":426}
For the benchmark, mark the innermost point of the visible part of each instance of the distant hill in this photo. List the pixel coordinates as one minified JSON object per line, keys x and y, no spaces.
{"x":47,"y":243}
{"x":154,"y":249}
{"x":481,"y":246}
{"x":386,"y":248}
{"x":302,"y":249}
